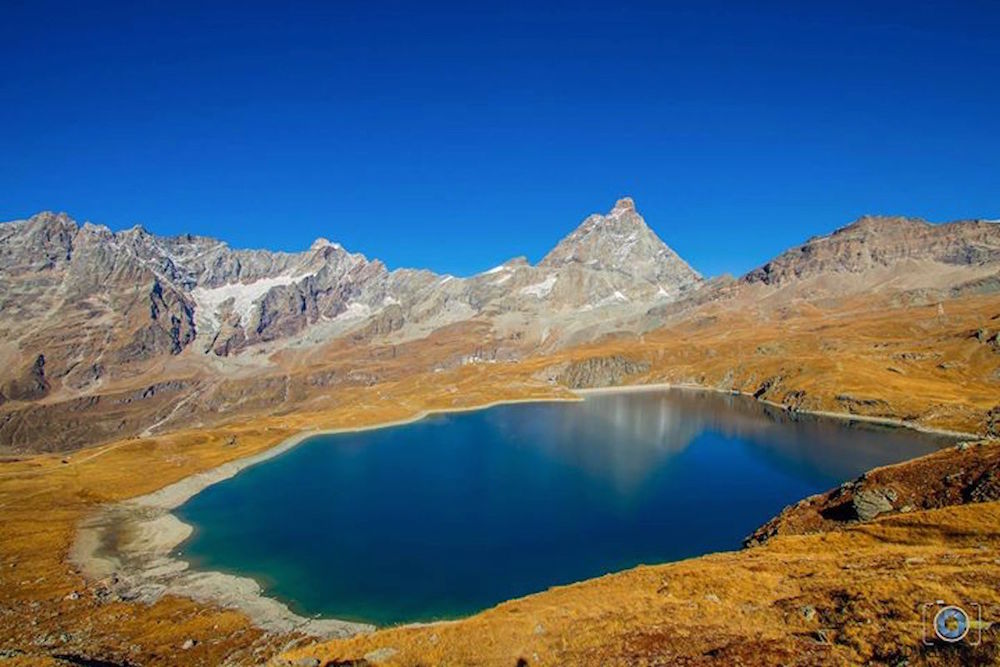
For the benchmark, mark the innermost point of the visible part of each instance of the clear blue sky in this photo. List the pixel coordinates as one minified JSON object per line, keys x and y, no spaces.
{"x":454,"y":136}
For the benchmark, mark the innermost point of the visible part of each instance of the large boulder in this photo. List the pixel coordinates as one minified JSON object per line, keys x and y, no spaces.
{"x":870,"y":503}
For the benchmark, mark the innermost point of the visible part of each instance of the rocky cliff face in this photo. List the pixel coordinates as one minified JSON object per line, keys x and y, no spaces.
{"x":601,"y":372}
{"x":878,"y":242}
{"x":107,"y":309}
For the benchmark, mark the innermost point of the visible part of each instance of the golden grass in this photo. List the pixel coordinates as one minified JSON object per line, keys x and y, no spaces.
{"x":920,"y":365}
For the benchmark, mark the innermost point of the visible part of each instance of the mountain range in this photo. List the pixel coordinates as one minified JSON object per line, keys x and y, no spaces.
{"x":115,"y":334}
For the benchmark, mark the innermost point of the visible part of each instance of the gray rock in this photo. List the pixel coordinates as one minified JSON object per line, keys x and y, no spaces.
{"x":129,"y":301}
{"x":993,"y":422}
{"x":601,"y":371}
{"x":380,"y":654}
{"x":870,"y":503}
{"x":30,"y":385}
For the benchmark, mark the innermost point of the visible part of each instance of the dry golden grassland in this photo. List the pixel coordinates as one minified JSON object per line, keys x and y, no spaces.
{"x":863,"y":584}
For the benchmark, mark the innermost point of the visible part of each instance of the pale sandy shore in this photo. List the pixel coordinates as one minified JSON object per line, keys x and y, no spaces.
{"x":131,"y":546}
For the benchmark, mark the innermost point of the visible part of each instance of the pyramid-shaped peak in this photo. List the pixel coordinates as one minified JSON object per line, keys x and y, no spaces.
{"x":621,"y":241}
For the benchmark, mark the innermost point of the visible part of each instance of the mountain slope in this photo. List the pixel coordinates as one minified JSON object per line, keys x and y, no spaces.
{"x":88,"y":313}
{"x":881,"y":243}
{"x":113,"y":334}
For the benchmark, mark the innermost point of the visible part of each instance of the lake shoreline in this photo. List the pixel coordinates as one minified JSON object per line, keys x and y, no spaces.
{"x":131,"y":545}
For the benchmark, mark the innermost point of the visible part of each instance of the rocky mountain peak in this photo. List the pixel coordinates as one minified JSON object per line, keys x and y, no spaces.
{"x":49,"y":226}
{"x":95,"y":230}
{"x":622,"y":241}
{"x":883,"y":242}
{"x":43,"y":218}
{"x":883,"y":224}
{"x":622,"y":205}
{"x":322,"y":242}
{"x":520,"y":260}
{"x":42,"y":241}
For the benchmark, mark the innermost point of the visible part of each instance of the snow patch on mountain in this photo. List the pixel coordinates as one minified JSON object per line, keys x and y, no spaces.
{"x":541,"y":289}
{"x":616,"y":297}
{"x":208,"y":300}
{"x":355,"y":311}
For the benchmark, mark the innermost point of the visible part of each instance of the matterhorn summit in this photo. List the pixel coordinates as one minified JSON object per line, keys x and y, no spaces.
{"x":621,"y":241}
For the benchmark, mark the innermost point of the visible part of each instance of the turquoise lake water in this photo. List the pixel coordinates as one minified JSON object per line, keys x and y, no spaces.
{"x":455,"y":513}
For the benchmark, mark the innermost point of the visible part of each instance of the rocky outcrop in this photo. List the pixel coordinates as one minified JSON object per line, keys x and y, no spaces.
{"x":980,"y":286}
{"x":63,"y":425}
{"x":965,"y":473}
{"x":30,"y":385}
{"x":993,"y":422}
{"x":988,"y":338}
{"x":601,"y":372}
{"x":169,"y":329}
{"x":389,"y":320}
{"x":869,"y":503}
{"x":870,"y":407}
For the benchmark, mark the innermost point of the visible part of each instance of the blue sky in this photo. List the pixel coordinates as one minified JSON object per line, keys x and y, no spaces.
{"x":454,"y":136}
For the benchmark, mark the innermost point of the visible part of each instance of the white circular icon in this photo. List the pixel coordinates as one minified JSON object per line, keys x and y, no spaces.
{"x":951,"y":624}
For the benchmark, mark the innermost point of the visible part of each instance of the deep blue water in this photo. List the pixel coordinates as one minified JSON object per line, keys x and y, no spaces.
{"x":455,"y":513}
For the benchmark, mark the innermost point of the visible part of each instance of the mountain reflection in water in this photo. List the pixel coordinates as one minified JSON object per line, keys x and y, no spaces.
{"x":457,"y":512}
{"x":626,"y":436}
